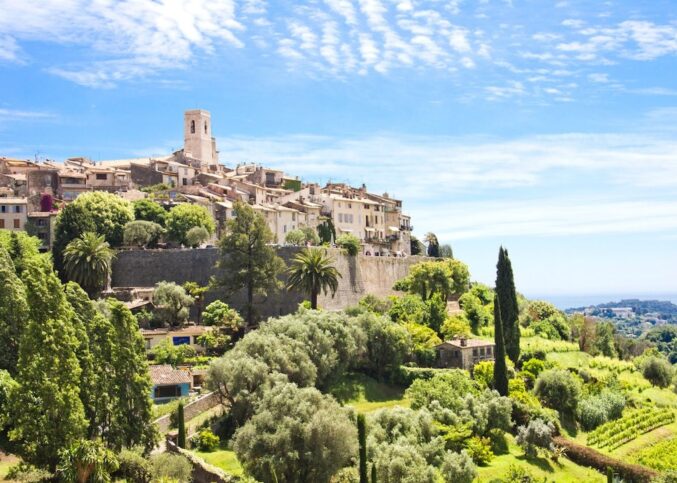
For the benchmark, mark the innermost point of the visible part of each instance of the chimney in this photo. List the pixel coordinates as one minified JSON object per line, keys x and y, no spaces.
{"x":464,"y":342}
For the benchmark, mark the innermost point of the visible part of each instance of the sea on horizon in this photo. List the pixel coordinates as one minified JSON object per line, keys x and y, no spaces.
{"x":564,"y":302}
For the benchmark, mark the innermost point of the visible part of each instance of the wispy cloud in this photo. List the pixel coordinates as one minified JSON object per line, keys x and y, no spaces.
{"x":132,"y":38}
{"x":137,"y":39}
{"x":8,"y":115}
{"x":557,"y":184}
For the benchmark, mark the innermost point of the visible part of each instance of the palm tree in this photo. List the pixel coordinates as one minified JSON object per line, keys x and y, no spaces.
{"x":87,"y":261}
{"x":312,"y":271}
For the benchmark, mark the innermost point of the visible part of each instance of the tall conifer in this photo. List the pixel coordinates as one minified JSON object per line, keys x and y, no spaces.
{"x":181,"y":423}
{"x":500,"y":369}
{"x":506,"y":294}
{"x":362,"y":439}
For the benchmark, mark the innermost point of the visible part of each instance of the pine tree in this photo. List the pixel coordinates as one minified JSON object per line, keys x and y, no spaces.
{"x":247,"y":261}
{"x":500,"y":369}
{"x":46,"y":410}
{"x":13,"y":313}
{"x":362,"y":439}
{"x":505,"y":290}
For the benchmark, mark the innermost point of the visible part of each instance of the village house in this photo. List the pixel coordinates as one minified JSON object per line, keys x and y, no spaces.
{"x":194,"y":175}
{"x":464,"y":353}
{"x":169,"y":383}
{"x":13,"y":213}
{"x":186,"y":336}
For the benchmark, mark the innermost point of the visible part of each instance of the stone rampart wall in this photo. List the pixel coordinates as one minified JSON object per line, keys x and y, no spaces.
{"x":361,"y":275}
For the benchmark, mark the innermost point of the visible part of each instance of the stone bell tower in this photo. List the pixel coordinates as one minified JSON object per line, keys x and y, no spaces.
{"x":198,"y":142}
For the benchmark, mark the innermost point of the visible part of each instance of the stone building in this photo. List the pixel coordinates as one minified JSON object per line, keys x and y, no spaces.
{"x":464,"y":353}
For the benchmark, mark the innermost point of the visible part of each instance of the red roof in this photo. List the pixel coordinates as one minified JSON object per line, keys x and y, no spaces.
{"x":166,"y":375}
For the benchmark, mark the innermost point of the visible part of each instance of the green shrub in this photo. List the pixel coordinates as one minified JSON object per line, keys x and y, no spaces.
{"x":519,"y":474}
{"x":173,"y":466}
{"x":205,"y":440}
{"x":558,"y":389}
{"x":26,"y":473}
{"x":134,"y":467}
{"x":596,"y":410}
{"x":499,"y":443}
{"x":350,"y":243}
{"x":657,"y":371}
{"x":458,"y":468}
{"x":196,"y":236}
{"x":536,"y":435}
{"x":479,"y":450}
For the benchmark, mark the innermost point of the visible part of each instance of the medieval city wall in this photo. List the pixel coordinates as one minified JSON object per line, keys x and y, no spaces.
{"x":361,"y":275}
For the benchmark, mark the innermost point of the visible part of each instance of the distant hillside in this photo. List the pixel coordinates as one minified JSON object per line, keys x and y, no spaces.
{"x":662,"y":309}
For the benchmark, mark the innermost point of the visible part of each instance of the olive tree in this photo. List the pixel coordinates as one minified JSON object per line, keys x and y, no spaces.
{"x":171,"y":303}
{"x":558,"y":389}
{"x":296,"y":435}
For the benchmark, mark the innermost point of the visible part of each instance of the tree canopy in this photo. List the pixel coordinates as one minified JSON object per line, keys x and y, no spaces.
{"x":185,"y":216}
{"x":246,"y":260}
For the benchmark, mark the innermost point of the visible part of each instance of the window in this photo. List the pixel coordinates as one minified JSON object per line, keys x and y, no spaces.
{"x":41,"y":222}
{"x":17,"y":223}
{"x":350,"y":205}
{"x":195,"y":341}
{"x":3,"y":209}
{"x":147,"y":344}
{"x":205,"y":127}
{"x":293,"y":217}
{"x":488,"y":351}
{"x":340,"y":217}
{"x":192,"y":127}
{"x":474,"y":352}
{"x":285,"y":228}
{"x":2,"y":223}
{"x":181,"y":340}
{"x":167,"y":391}
{"x":185,"y":181}
{"x":101,"y":176}
{"x":482,"y":351}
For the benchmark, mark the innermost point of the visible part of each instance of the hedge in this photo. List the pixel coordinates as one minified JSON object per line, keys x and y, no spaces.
{"x":585,"y":456}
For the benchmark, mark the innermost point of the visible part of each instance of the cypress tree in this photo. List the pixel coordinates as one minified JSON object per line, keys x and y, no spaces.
{"x":373,"y":473}
{"x":182,"y":427}
{"x":500,"y":369}
{"x":13,"y":313}
{"x":505,"y":291}
{"x":362,"y":439}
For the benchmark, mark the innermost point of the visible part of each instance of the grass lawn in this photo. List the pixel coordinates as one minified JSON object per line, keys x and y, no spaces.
{"x":223,"y":459}
{"x":564,"y":471}
{"x":365,"y":394}
{"x":6,"y":462}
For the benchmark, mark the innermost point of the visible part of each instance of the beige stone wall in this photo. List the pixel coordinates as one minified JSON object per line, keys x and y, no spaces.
{"x":361,"y":275}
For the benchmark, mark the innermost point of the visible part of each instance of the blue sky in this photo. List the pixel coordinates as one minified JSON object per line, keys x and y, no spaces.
{"x":549,"y":127}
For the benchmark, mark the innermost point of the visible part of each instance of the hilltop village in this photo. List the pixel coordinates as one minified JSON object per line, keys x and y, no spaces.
{"x":172,"y":320}
{"x":31,"y":193}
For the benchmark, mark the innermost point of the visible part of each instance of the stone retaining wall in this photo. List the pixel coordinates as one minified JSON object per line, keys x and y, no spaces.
{"x":361,"y":275}
{"x":202,"y":471}
{"x":190,"y":410}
